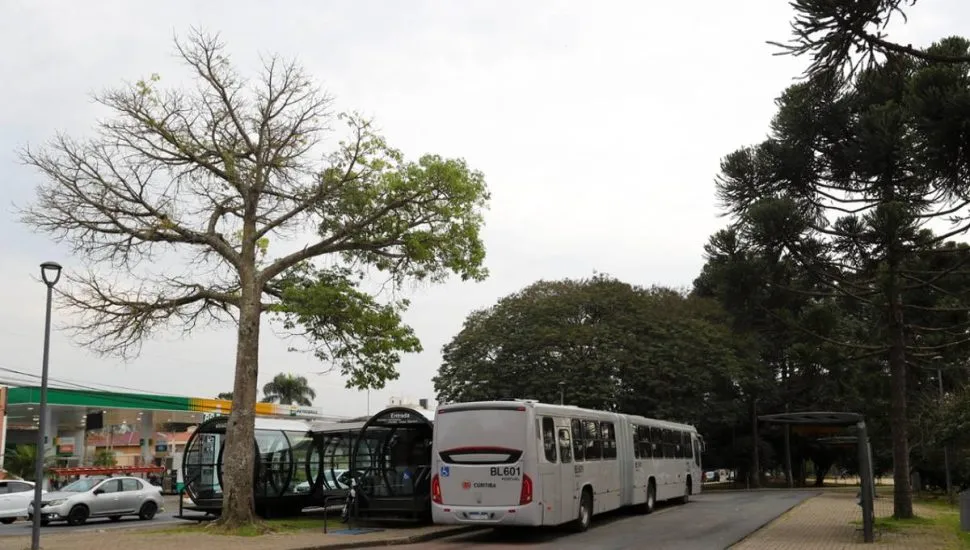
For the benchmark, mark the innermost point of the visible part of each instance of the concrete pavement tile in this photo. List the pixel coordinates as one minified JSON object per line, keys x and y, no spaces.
{"x":825,"y":522}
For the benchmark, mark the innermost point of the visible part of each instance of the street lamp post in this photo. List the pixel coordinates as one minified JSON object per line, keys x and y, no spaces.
{"x":51,"y":273}
{"x":562,"y":393}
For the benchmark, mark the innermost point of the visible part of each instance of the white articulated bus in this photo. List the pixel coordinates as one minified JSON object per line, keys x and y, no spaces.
{"x":520,"y":462}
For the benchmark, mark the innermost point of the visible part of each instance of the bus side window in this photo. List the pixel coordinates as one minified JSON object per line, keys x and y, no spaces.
{"x":594,"y":441}
{"x":697,"y":453}
{"x":636,"y":440}
{"x":565,"y":446}
{"x":646,"y":447}
{"x":656,"y":442}
{"x":668,"y":439}
{"x":549,"y":439}
{"x":579,"y":446}
{"x":609,"y":440}
{"x":686,"y":443}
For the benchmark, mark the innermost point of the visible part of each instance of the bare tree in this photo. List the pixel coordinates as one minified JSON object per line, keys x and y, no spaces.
{"x":215,"y":172}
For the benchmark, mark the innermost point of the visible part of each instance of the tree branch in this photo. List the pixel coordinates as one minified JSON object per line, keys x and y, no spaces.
{"x":120,"y":320}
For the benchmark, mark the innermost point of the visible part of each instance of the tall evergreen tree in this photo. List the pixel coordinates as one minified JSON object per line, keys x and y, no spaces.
{"x":845,"y":184}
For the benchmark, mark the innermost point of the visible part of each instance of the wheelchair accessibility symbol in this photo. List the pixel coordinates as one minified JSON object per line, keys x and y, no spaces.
{"x":445,"y":471}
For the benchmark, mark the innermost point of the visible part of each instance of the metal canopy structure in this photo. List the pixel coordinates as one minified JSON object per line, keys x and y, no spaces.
{"x":845,"y":420}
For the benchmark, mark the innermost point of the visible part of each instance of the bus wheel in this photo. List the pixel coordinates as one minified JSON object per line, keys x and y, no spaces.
{"x":687,"y":490}
{"x":585,"y":511}
{"x":651,"y":502}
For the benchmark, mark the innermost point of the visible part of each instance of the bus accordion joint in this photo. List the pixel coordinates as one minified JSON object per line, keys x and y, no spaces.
{"x":436,"y":490}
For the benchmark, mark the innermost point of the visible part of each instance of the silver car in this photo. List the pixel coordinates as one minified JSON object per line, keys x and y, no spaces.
{"x":100,"y":497}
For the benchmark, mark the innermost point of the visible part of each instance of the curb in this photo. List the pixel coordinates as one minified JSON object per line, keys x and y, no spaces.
{"x":772,"y":520}
{"x":412,"y":539}
{"x":827,"y":489}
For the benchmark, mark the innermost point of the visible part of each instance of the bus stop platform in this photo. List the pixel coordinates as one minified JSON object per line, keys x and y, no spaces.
{"x":825,"y":522}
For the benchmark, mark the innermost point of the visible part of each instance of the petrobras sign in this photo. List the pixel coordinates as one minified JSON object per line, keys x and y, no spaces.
{"x":297,"y":410}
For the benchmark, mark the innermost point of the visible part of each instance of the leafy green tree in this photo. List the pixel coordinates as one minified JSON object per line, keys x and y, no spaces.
{"x":225,"y":395}
{"x":605,"y":344}
{"x":214,"y":174}
{"x":21,"y":461}
{"x":876,"y":156}
{"x":289,"y":389}
{"x":104,"y":457}
{"x":533,"y":340}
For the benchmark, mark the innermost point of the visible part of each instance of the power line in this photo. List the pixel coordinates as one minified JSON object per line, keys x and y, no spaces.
{"x":77,"y":384}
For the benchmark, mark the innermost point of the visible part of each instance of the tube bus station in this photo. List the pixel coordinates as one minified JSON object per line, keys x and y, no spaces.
{"x":304,"y":457}
{"x":303,"y":463}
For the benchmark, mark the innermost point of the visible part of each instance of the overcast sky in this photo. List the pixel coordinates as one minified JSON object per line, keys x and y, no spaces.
{"x":599,"y":127}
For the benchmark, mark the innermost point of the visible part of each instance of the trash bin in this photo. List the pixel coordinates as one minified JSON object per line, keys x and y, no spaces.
{"x":965,"y":511}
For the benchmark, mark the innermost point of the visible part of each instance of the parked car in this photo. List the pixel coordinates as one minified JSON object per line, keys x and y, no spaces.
{"x":100,"y":496}
{"x":15,"y":496}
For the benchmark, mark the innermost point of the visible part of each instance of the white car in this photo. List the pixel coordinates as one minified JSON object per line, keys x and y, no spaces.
{"x":99,"y":496}
{"x":335,"y":479}
{"x":15,"y":497}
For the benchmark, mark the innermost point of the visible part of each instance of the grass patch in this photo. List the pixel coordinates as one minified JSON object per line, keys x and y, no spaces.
{"x":942,"y":518}
{"x":948,"y":515}
{"x":285,"y":525}
{"x":893,"y":525}
{"x":951,"y":521}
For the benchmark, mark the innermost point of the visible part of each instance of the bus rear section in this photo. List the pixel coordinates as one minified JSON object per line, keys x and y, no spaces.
{"x":481,"y":459}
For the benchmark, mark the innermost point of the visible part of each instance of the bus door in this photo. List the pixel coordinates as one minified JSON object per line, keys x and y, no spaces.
{"x":549,"y":468}
{"x":568,"y":505}
{"x":697,"y":472}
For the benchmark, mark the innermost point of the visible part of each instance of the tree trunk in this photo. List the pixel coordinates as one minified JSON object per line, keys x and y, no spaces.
{"x":755,"y":461}
{"x":902,"y":491}
{"x":788,"y":469}
{"x":239,"y":459}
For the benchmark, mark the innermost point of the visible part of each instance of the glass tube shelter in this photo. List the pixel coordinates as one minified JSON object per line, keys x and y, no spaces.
{"x":290,"y":457}
{"x":301,"y":464}
{"x":391,"y":462}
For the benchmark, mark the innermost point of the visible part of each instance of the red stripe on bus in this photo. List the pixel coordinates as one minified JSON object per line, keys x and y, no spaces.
{"x":480,"y":450}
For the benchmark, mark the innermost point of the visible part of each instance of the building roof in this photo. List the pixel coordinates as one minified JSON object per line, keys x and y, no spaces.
{"x":95,"y":399}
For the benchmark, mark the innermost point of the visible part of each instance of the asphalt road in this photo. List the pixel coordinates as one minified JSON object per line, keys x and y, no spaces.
{"x":711,"y":521}
{"x":21,"y":527}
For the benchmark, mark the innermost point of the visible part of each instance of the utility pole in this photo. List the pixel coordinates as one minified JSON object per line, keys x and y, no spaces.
{"x":562,"y":393}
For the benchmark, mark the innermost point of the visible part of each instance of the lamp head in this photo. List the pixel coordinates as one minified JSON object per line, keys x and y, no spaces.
{"x":50,"y":272}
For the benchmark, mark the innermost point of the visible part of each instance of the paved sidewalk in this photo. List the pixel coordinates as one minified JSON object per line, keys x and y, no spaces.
{"x":155,"y":540}
{"x":832,"y":521}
